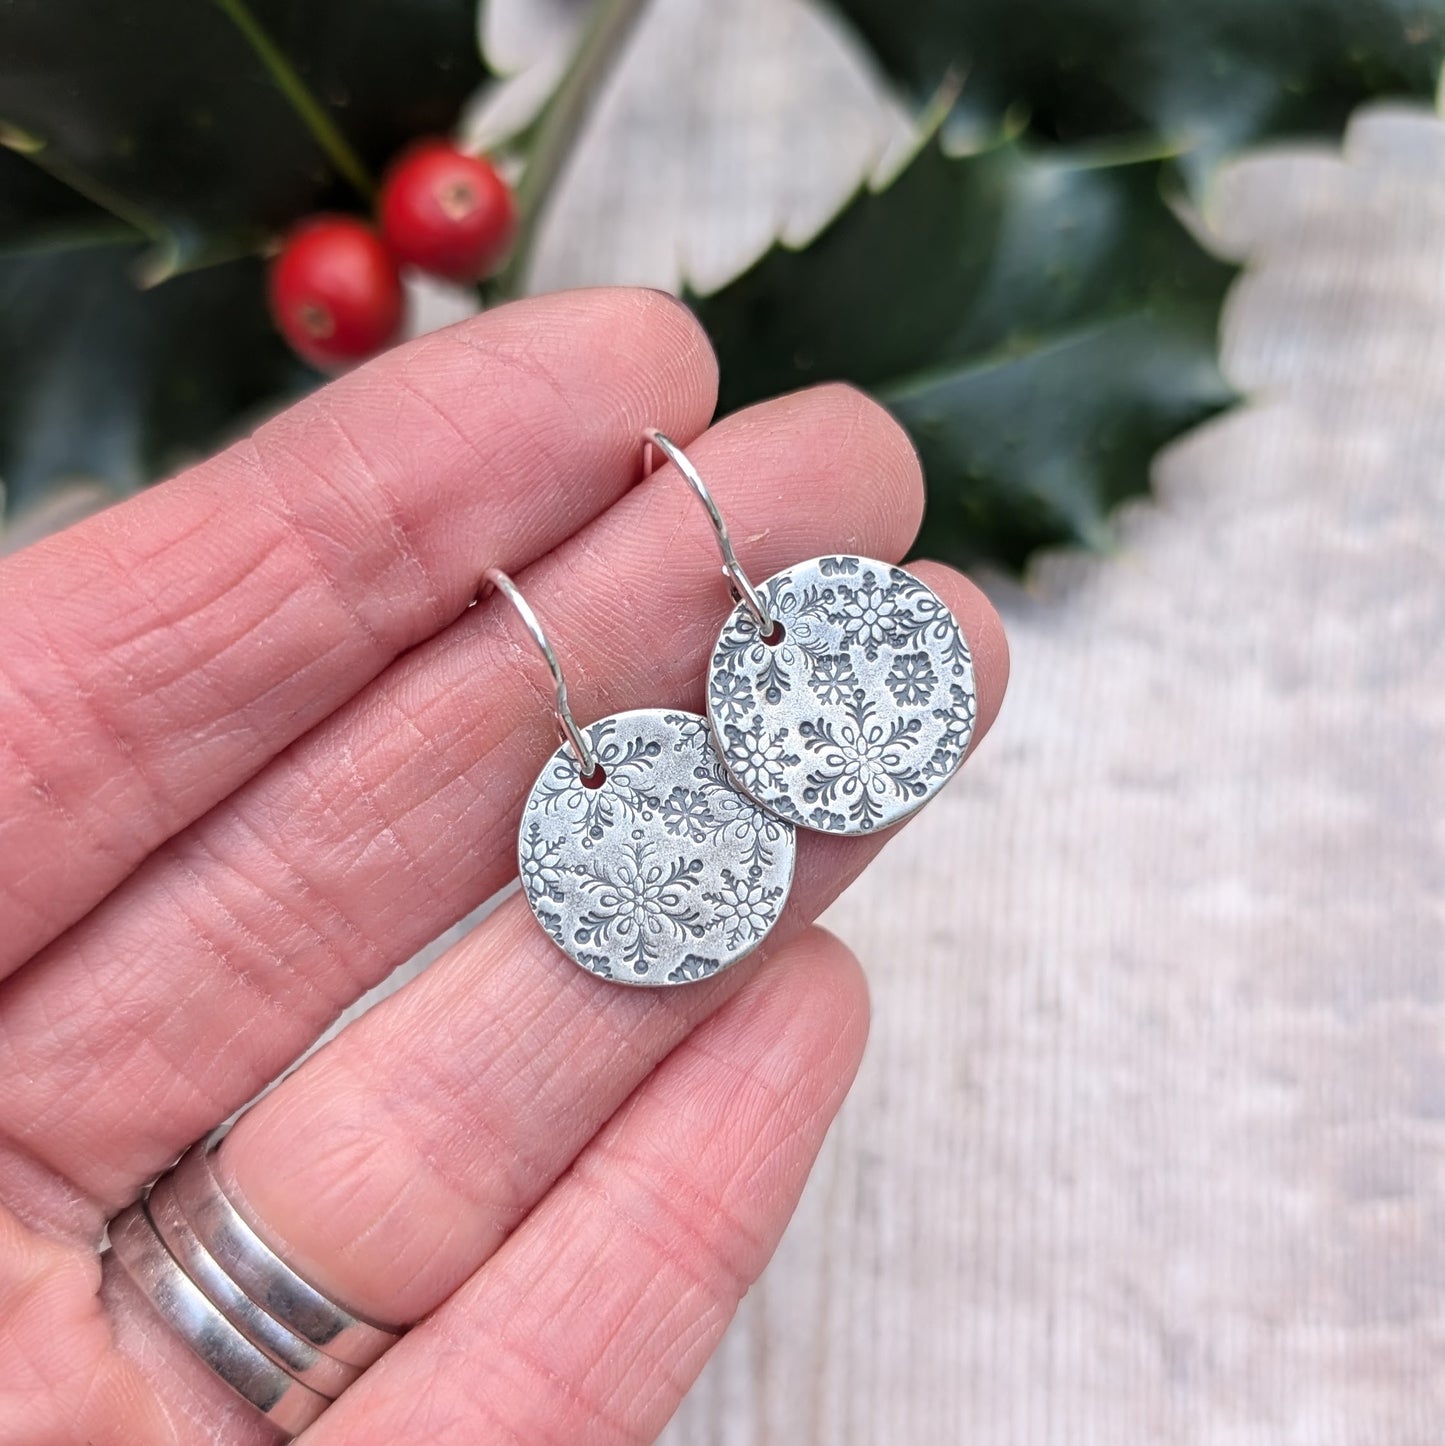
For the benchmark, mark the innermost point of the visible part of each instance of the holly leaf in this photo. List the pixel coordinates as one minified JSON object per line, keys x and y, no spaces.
{"x":1034,"y":312}
{"x":1038,"y":318}
{"x":37,"y":210}
{"x":208,"y":124}
{"x":1207,"y":76}
{"x":99,"y":378}
{"x":157,"y":138}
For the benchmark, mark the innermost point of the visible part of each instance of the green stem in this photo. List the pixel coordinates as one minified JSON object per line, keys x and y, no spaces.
{"x":553,"y":133}
{"x":35,"y":150}
{"x":290,"y":84}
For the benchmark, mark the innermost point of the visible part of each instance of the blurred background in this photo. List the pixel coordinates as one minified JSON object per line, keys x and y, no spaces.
{"x":1149,"y":1145}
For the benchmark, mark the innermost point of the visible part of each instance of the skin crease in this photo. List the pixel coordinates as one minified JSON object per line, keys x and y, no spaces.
{"x":256,"y":755}
{"x":266,"y":857}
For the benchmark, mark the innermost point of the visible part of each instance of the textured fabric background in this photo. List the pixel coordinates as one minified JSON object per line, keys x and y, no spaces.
{"x":1148,"y":1146}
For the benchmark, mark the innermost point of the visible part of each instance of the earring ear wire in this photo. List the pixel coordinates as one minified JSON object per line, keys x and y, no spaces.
{"x":742,"y":588}
{"x":637,"y":856}
{"x":494,"y":577}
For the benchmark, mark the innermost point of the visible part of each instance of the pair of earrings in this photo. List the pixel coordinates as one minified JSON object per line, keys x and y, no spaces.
{"x":657,"y":846}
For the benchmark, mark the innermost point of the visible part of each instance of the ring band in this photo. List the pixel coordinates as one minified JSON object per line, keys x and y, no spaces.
{"x":264,"y":1276}
{"x":182,"y":1304}
{"x":300,"y":1358}
{"x":274,"y":1338}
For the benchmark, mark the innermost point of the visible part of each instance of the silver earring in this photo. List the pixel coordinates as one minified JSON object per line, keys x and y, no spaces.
{"x":840,"y":692}
{"x":638,"y":856}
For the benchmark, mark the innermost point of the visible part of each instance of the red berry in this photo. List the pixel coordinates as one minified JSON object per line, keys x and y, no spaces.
{"x":446,"y":212}
{"x":335,"y":291}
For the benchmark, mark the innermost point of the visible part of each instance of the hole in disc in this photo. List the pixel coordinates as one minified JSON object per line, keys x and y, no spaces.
{"x":777,"y":635}
{"x":596,"y":778}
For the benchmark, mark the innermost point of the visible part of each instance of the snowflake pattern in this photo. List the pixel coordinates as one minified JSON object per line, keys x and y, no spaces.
{"x":833,"y":679}
{"x":686,"y":813}
{"x":861,"y":761}
{"x":664,"y":873}
{"x":595,"y":811}
{"x":869,"y":615}
{"x":912,"y":680}
{"x":746,"y":906}
{"x":693,"y":968}
{"x":862,"y":711}
{"x":756,"y":754}
{"x":637,"y":901}
{"x":731,"y":696}
{"x":538,"y":858}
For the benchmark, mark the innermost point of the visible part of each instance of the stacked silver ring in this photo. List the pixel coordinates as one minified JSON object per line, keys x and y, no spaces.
{"x":270,"y":1335}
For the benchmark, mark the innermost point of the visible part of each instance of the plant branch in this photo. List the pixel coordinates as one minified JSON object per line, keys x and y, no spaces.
{"x":289,"y":82}
{"x":550,"y":138}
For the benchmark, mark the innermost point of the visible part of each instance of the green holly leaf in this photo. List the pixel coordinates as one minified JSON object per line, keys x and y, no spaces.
{"x":152,"y":140}
{"x":1034,"y":312}
{"x":37,"y":210}
{"x":1206,"y":76}
{"x":100,"y":378}
{"x":1039,"y":319}
{"x":208,"y":124}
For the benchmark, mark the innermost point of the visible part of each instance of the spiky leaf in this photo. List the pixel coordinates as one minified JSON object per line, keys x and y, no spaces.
{"x":189,"y":118}
{"x":1205,"y":76}
{"x":1040,"y":320}
{"x":147,"y":138}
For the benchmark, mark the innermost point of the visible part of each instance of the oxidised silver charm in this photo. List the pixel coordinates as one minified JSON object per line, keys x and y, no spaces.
{"x":661,"y":874}
{"x":860,"y":712}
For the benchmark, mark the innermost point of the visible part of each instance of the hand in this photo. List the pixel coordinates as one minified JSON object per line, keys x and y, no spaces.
{"x":257,"y":752}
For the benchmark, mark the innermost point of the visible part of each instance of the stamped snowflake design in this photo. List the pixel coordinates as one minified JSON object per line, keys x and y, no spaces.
{"x":912,"y":679}
{"x":637,"y":901}
{"x":860,"y":712}
{"x":596,"y":812}
{"x":862,"y":762}
{"x":693,"y":968}
{"x":662,"y":874}
{"x":746,"y":906}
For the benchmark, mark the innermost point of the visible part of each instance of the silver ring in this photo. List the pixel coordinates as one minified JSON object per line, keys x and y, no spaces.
{"x":228,"y":1238}
{"x":738,"y":580}
{"x":184,"y":1306}
{"x":270,"y":1335}
{"x":576,"y":740}
{"x":311,"y":1366}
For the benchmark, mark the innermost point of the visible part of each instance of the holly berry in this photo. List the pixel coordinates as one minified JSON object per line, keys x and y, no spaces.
{"x":335,"y":292}
{"x":446,"y":212}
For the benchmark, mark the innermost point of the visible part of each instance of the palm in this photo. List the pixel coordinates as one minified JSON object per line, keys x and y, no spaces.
{"x":257,"y":755}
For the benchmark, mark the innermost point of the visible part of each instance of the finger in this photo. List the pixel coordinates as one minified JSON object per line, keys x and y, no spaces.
{"x":59,"y":1379}
{"x":598,"y":1314}
{"x":392,"y":1164}
{"x":154,"y":656}
{"x":225,"y":955}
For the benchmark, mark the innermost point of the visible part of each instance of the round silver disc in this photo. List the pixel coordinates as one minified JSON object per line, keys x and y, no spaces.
{"x":862,"y":710}
{"x":664,"y":873}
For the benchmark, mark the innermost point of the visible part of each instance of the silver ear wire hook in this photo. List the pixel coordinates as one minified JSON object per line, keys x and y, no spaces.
{"x":743,"y":590}
{"x":586,"y":758}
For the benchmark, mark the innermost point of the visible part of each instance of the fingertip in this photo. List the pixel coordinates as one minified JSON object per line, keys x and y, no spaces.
{"x":820,"y":980}
{"x":535,"y":408}
{"x":680,"y":346}
{"x":855,"y":427}
{"x":616,"y":358}
{"x":847,"y":986}
{"x":654,"y":344}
